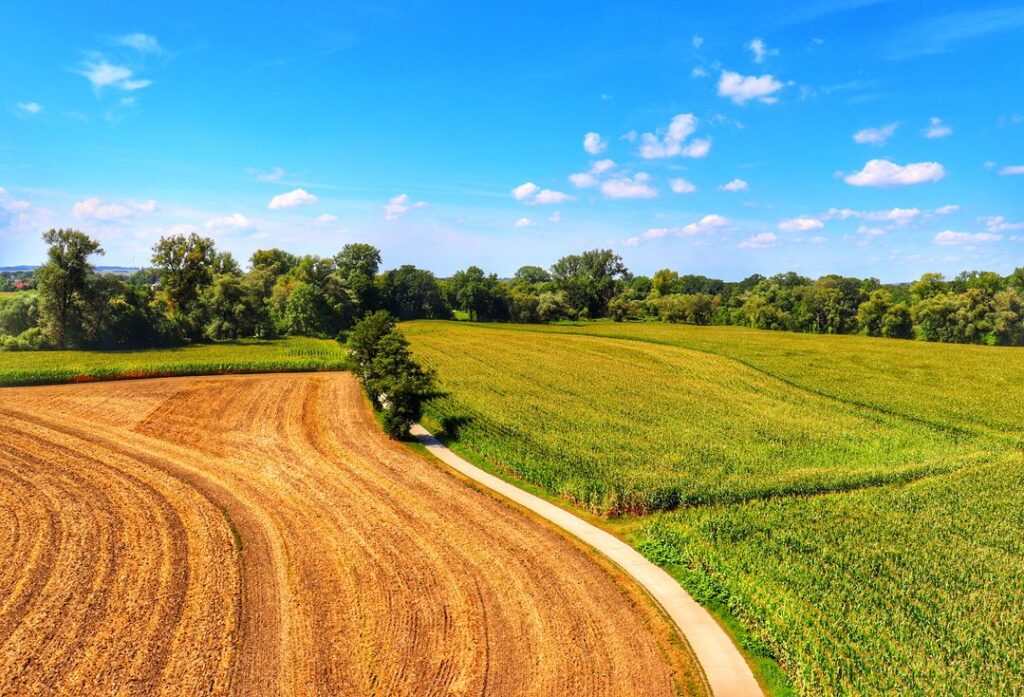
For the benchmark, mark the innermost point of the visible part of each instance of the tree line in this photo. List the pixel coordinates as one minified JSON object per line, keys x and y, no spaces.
{"x":193,"y":293}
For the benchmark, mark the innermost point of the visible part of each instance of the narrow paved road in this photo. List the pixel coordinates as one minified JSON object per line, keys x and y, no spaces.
{"x":724,"y":666}
{"x":259,"y":535}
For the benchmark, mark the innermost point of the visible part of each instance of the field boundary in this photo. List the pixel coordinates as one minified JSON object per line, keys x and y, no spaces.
{"x":724,"y":666}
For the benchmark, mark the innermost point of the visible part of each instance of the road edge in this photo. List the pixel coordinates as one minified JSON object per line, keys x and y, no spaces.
{"x":725,"y":669}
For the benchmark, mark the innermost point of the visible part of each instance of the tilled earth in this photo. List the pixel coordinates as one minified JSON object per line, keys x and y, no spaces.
{"x":259,"y":535}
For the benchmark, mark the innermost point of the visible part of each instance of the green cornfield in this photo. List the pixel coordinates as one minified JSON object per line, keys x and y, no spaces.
{"x":246,"y":356}
{"x":856,"y":504}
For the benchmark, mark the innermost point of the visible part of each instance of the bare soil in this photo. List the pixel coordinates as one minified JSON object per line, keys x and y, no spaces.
{"x":259,"y":535}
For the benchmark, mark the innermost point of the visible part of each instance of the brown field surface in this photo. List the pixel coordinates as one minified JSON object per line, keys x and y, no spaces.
{"x":258,"y":535}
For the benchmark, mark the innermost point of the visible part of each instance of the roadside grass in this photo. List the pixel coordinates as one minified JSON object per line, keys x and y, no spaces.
{"x":294,"y":354}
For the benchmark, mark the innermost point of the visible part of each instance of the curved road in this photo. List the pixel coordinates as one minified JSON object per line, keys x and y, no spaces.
{"x":727,"y":672}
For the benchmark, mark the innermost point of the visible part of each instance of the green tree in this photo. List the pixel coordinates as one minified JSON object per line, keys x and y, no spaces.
{"x":871,"y":313}
{"x":589,"y":280}
{"x":186,"y":265}
{"x":411,"y":293}
{"x":396,"y":384}
{"x":358,"y":264}
{"x":531,"y":276}
{"x":478,"y":294}
{"x":64,"y":284}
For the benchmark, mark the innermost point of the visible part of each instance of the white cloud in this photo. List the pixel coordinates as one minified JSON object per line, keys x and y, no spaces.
{"x":883,"y":173}
{"x":698,"y":72}
{"x":800,"y":224}
{"x":681,"y":186}
{"x":102,"y":74}
{"x":670,"y":142}
{"x":734,"y":185}
{"x":937,"y":129}
{"x":997,"y":223}
{"x":1012,"y":170}
{"x":594,"y":144}
{"x":325,"y":218}
{"x":235,"y":221}
{"x":132,"y":85}
{"x":97,"y":210}
{"x":583,"y":180}
{"x":271,"y":175}
{"x":650,"y":234}
{"x":524,"y":191}
{"x":869,"y":231}
{"x":760,"y":50}
{"x":525,"y":222}
{"x":532,"y":195}
{"x":555,"y":217}
{"x":586,"y":180}
{"x":946,"y":210}
{"x":399,"y":206}
{"x":296,"y":197}
{"x":741,"y":89}
{"x":708,"y":223}
{"x":697,"y":41}
{"x":896,"y":216}
{"x":761,"y":240}
{"x":950,"y":238}
{"x":629,"y":187}
{"x":143,"y":43}
{"x":549,"y":196}
{"x":29,"y":107}
{"x":875,"y":136}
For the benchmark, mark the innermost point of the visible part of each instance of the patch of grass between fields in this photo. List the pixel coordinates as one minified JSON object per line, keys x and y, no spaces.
{"x":295,"y":354}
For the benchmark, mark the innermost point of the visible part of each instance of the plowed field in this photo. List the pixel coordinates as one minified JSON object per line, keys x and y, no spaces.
{"x":258,"y":535}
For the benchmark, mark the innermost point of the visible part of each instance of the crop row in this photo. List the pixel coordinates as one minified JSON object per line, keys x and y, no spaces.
{"x":633,"y":427}
{"x":909,"y":589}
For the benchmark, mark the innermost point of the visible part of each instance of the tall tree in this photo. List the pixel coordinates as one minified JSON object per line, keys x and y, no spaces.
{"x":357,"y":266}
{"x":186,"y":265}
{"x":589,"y":280}
{"x":64,"y":283}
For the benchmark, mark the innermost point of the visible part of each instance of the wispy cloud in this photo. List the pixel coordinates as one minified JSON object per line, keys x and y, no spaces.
{"x":937,"y":129}
{"x":760,"y":50}
{"x":941,"y":34}
{"x":399,"y":205}
{"x":29,"y":108}
{"x":143,"y":43}
{"x":875,"y":136}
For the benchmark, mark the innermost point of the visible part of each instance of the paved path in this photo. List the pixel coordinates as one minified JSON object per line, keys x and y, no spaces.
{"x":725,"y":668}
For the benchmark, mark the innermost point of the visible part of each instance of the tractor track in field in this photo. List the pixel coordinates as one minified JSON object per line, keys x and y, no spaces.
{"x":259,"y":535}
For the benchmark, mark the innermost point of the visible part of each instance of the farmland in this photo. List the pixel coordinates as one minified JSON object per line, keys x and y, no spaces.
{"x":853,"y":503}
{"x":247,"y":356}
{"x":260,"y":535}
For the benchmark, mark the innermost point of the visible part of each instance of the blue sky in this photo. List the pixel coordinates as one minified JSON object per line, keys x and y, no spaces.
{"x":881,"y":138}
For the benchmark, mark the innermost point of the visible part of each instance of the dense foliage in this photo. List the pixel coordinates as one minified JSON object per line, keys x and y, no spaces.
{"x":396,"y":384}
{"x":194,"y":293}
{"x":895,"y":569}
